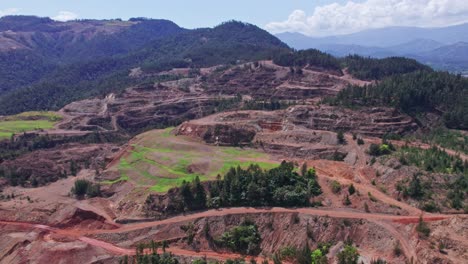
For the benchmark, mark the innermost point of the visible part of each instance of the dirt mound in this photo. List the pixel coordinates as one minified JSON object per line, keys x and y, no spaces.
{"x":79,"y":218}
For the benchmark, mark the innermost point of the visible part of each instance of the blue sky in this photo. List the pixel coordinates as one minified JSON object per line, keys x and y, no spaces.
{"x":310,"y":17}
{"x":187,"y":13}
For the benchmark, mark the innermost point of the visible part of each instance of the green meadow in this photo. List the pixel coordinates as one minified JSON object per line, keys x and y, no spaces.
{"x":159,"y":161}
{"x":28,"y":121}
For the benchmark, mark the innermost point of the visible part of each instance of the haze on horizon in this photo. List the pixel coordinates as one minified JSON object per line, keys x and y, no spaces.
{"x":312,"y":18}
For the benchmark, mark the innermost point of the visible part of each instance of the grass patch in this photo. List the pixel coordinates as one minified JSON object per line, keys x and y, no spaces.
{"x":28,"y":121}
{"x":163,"y":161}
{"x":122,"y":178}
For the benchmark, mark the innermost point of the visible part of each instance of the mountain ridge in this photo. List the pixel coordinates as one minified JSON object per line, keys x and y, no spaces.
{"x":412,"y":42}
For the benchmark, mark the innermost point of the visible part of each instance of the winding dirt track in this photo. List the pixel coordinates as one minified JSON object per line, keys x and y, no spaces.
{"x":78,"y":234}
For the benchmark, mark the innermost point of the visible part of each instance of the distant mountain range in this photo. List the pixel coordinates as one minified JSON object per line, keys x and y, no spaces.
{"x":442,"y":48}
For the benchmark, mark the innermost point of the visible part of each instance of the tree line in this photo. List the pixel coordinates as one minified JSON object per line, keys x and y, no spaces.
{"x":281,"y":186}
{"x":415,"y":93}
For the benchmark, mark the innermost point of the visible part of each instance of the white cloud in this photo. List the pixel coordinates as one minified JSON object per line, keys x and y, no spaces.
{"x":352,"y":17}
{"x":8,"y":11}
{"x":65,"y":16}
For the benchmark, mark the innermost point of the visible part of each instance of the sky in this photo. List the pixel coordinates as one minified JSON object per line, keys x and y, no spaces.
{"x":310,"y":17}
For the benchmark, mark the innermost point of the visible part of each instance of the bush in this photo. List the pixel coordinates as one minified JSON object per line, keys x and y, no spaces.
{"x":340,"y":137}
{"x":397,"y":249}
{"x":336,"y":187}
{"x":349,"y":255}
{"x":422,"y":228}
{"x":374,"y":150}
{"x":85,"y":187}
{"x":80,"y":187}
{"x":430,"y":207}
{"x":378,"y":150}
{"x":351,"y":189}
{"x":360,"y":141}
{"x":244,"y":239}
{"x":347,"y":201}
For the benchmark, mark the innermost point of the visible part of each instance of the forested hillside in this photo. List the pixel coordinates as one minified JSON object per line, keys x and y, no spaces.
{"x":377,"y":69}
{"x":416,"y":93}
{"x":105,"y":60}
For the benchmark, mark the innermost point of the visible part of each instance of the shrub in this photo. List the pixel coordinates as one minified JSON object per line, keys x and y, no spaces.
{"x":80,"y":187}
{"x":244,"y":239}
{"x":360,"y":141}
{"x":374,"y":150}
{"x":347,"y":201}
{"x":336,"y":187}
{"x":430,"y":207}
{"x":349,"y":255}
{"x":422,"y":228}
{"x":351,"y":189}
{"x":340,"y":137}
{"x":397,"y":249}
{"x":85,"y":187}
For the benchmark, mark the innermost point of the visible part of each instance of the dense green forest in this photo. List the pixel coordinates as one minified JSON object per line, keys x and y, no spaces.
{"x":377,"y":69}
{"x":415,"y":93}
{"x":312,"y":57}
{"x":281,"y":186}
{"x":21,"y":68}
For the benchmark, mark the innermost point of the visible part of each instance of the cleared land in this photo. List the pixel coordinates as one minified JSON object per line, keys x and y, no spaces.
{"x":27,"y":121}
{"x":160,"y":160}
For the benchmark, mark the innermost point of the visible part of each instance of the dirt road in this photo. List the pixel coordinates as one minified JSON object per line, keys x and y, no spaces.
{"x":81,"y":235}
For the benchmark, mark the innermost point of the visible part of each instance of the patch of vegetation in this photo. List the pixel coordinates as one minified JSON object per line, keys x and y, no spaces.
{"x":244,"y":239}
{"x":349,"y":255}
{"x":28,"y":121}
{"x":377,"y":69}
{"x":415,"y":94}
{"x":444,"y":138}
{"x":360,"y":141}
{"x":382,"y":149}
{"x":267,"y":104}
{"x":162,"y":161}
{"x":335,"y":187}
{"x":422,"y":228}
{"x":432,"y":160}
{"x":148,"y":254}
{"x":280,"y":186}
{"x":340,"y":138}
{"x":422,"y":189}
{"x":85,"y":187}
{"x":311,"y":57}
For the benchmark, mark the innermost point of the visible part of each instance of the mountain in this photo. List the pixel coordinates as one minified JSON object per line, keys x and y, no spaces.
{"x":32,"y":47}
{"x":80,"y":59}
{"x":383,"y":37}
{"x":451,"y":57}
{"x":415,"y":46}
{"x":342,"y":50}
{"x":438,"y":47}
